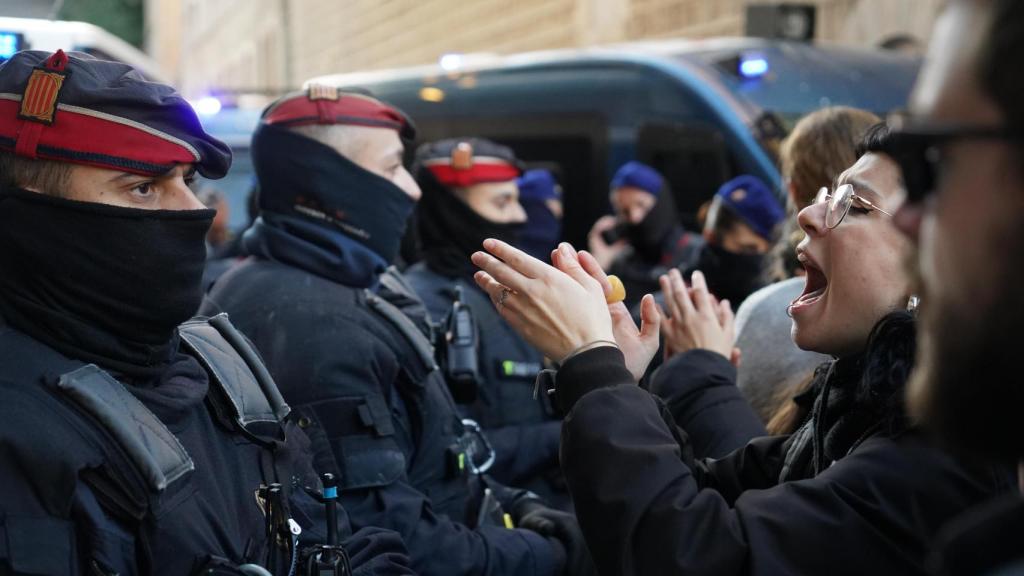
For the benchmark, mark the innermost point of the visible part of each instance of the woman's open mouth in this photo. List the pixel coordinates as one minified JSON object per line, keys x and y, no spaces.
{"x":815,"y":287}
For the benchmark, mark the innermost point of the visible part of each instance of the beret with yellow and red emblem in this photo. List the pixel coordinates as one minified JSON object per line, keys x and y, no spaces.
{"x":76,"y":108}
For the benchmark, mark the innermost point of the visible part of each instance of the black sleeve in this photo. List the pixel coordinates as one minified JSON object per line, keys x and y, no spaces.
{"x":699,"y":387}
{"x":643,"y":512}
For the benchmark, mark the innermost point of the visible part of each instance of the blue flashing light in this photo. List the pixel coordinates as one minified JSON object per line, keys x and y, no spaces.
{"x":207,"y":106}
{"x":10,"y":43}
{"x":753,"y":67}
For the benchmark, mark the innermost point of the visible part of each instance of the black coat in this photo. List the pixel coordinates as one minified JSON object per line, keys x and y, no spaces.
{"x":65,"y":484}
{"x":700,"y":390}
{"x":374,"y":414}
{"x":987,"y":540}
{"x":648,"y":507}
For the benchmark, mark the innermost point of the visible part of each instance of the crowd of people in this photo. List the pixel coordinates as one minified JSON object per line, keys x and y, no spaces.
{"x":313,"y":396}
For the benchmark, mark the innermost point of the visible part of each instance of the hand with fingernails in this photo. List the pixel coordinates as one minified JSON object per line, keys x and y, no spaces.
{"x":695,"y":319}
{"x":638,"y":345}
{"x":557,"y":312}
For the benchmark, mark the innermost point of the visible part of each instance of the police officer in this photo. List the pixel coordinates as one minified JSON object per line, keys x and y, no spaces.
{"x":469,"y":194}
{"x":644,"y":239}
{"x":541,"y":198}
{"x":130,"y":444}
{"x":335,"y":329}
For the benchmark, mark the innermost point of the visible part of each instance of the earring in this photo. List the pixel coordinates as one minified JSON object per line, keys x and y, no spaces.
{"x":913,"y":303}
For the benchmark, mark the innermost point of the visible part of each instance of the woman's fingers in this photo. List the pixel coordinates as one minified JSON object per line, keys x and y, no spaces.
{"x":516,"y":259}
{"x":592,"y":267}
{"x":569,"y":263}
{"x":488,"y":284}
{"x":682,"y":295}
{"x":701,"y":297}
{"x":670,"y":298}
{"x":728,"y":320}
{"x":500,"y":271}
{"x":650,"y":319}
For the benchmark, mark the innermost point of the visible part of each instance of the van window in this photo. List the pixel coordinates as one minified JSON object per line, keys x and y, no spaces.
{"x":693,"y":158}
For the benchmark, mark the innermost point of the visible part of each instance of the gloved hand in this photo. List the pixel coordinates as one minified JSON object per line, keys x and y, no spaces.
{"x":563,"y":527}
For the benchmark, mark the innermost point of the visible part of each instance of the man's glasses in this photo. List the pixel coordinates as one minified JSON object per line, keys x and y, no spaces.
{"x":839,"y":203}
{"x":917,"y":148}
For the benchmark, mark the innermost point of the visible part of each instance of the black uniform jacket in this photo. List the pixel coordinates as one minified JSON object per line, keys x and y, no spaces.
{"x":68,"y":488}
{"x":648,"y":508}
{"x":372,"y":416}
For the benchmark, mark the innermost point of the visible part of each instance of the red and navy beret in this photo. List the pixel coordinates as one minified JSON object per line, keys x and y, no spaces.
{"x":329,"y":105}
{"x":76,"y":108}
{"x":458,"y":163}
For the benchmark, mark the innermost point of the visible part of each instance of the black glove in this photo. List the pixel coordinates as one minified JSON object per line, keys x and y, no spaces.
{"x":563,"y":527}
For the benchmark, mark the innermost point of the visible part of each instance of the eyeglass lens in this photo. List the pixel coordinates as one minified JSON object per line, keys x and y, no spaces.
{"x":839,"y":205}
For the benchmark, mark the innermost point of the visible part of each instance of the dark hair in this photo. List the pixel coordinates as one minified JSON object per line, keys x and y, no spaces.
{"x":725,"y":220}
{"x":888,"y":362}
{"x":46,"y":176}
{"x":875,"y":139}
{"x":1003,"y":45}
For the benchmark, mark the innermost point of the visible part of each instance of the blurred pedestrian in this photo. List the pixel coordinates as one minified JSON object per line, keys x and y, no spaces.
{"x":541,"y":198}
{"x":741,"y":224}
{"x":961,"y":155}
{"x":644,"y":238}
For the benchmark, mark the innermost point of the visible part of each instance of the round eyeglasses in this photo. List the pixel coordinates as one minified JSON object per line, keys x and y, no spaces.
{"x":839,"y":203}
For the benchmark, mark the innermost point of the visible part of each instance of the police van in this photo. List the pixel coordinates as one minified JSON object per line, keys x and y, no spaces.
{"x":18,"y":34}
{"x":700,"y":112}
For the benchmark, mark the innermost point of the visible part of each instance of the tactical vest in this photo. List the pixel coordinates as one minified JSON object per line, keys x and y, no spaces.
{"x":129,"y":460}
{"x":508,"y":365}
{"x":439,"y":468}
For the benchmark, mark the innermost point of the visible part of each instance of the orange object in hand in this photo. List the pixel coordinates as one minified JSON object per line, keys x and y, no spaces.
{"x":618,"y":293}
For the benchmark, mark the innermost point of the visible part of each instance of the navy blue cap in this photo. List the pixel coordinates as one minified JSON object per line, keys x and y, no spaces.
{"x":538,"y":184}
{"x":463,"y":162}
{"x":76,"y":108}
{"x":754,"y":202}
{"x":638,"y":175}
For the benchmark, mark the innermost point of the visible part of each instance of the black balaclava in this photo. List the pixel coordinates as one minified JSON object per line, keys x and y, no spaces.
{"x":322,"y":212}
{"x":100,"y":283}
{"x":451,"y":231}
{"x":731,"y":276}
{"x":649,"y":236}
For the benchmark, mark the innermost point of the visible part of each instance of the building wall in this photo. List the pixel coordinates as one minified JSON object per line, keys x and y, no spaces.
{"x":276,"y":44}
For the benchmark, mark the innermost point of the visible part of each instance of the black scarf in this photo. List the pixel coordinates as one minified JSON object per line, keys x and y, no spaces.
{"x":854,"y":398}
{"x":730,"y":276}
{"x":100,"y":283}
{"x":648,"y":238}
{"x":451,"y":231}
{"x":302,"y":179}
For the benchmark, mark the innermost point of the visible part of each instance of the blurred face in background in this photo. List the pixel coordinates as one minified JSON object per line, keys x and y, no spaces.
{"x":970,"y":237}
{"x":631,"y":204}
{"x":855,"y":271}
{"x":495,"y":201}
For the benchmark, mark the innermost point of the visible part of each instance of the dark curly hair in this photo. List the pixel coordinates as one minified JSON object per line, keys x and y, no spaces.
{"x":887,"y":363}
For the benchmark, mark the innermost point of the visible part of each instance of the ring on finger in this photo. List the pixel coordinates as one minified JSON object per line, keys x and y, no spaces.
{"x":504,"y":296}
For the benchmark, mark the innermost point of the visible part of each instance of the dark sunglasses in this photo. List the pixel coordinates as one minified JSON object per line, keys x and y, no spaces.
{"x":918,"y":149}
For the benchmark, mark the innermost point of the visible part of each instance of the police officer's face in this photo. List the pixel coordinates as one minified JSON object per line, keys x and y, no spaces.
{"x":168,"y":191}
{"x":632,"y":204}
{"x":495,"y":201}
{"x":381,"y":152}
